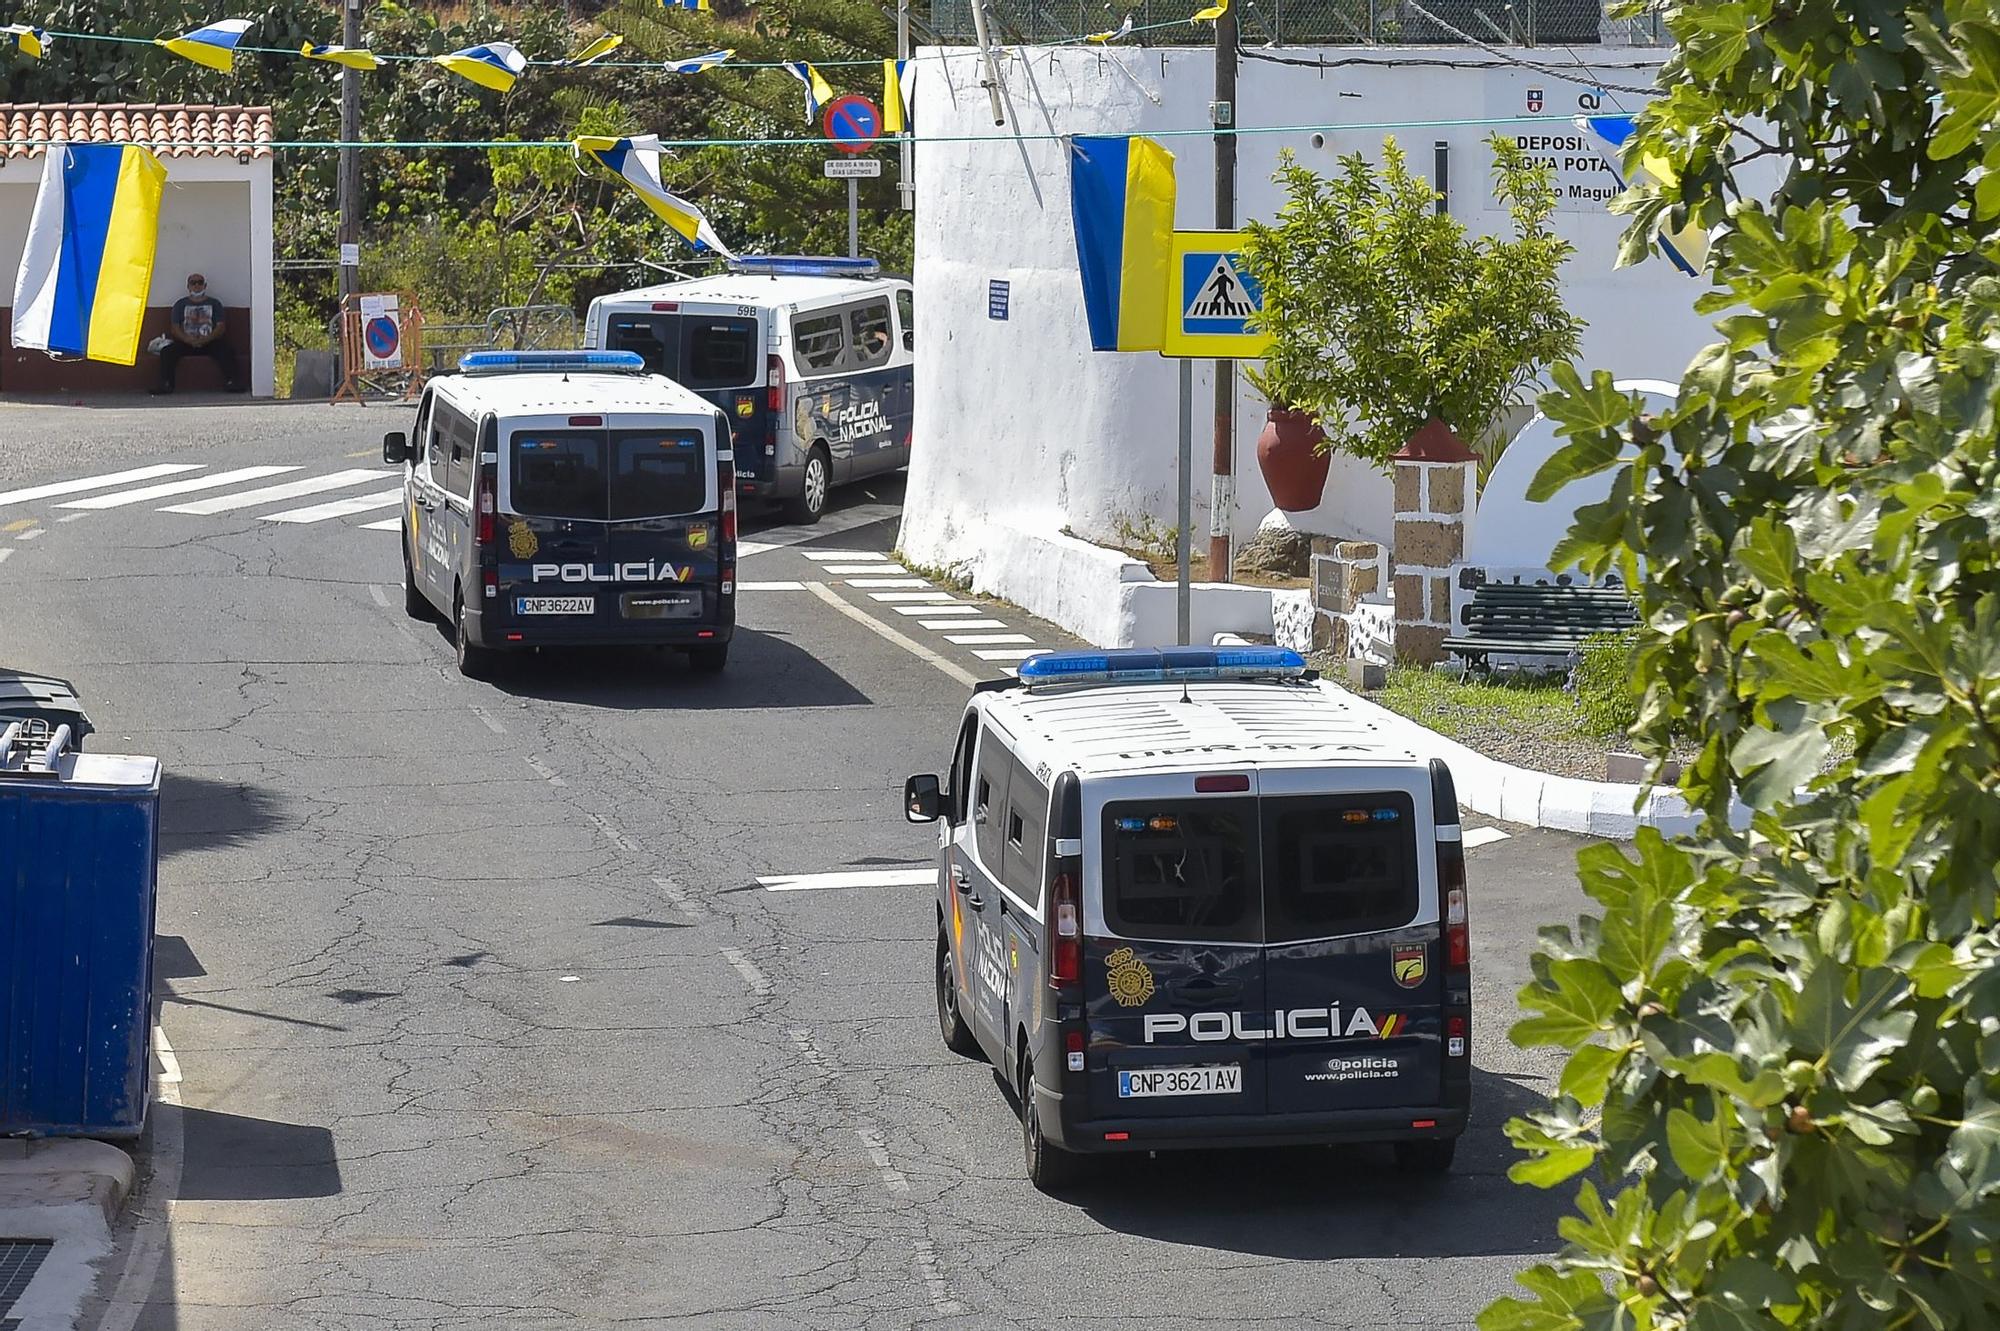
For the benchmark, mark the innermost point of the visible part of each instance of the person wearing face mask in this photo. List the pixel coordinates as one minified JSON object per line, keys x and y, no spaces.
{"x":197,"y":327}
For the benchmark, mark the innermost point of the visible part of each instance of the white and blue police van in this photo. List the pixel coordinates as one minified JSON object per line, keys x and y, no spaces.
{"x":1188,"y":898}
{"x":810,"y":358}
{"x":568,"y":499}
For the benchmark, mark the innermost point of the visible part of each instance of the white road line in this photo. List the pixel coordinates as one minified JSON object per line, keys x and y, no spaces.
{"x":881,"y":566}
{"x":871,"y":1140}
{"x":5,"y":553}
{"x":486,"y":719}
{"x":612,"y":834}
{"x":677,"y":894}
{"x":950,"y":608}
{"x":212,"y":481}
{"x":1483,"y":836}
{"x":964,"y":624}
{"x":378,"y":594}
{"x":386,"y":524}
{"x":887,"y":582}
{"x":821,"y":556}
{"x":760,"y":983}
{"x":32,"y":534}
{"x":545,"y":772}
{"x":992,"y":639}
{"x":898,"y":598}
{"x":72,"y":517}
{"x":104,"y":482}
{"x":340,"y":508}
{"x":271,"y":494}
{"x":903,"y":640}
{"x":1009,"y":653}
{"x":812,"y":882}
{"x":932,"y":1272}
{"x":155,"y":1205}
{"x":780,"y":586}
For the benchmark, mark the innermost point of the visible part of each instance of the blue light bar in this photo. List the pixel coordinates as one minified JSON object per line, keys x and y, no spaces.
{"x":804,"y":265}
{"x":1139,"y":665}
{"x":551,"y":362}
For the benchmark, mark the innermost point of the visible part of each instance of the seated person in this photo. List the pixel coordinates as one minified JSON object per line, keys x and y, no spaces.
{"x":197,"y":328}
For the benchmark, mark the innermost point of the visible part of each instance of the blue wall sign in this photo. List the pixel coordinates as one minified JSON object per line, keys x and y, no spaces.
{"x":997,"y":295}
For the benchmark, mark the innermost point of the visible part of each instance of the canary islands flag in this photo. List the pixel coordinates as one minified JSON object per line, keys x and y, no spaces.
{"x":894,"y":117}
{"x":351,"y":56}
{"x":818,"y":90}
{"x":636,"y":161}
{"x":492,"y":65}
{"x":32,"y":41}
{"x":594,"y":52}
{"x":1687,"y":248}
{"x":213,"y":45}
{"x":88,"y":264}
{"x":694,"y":64}
{"x":1121,"y":199}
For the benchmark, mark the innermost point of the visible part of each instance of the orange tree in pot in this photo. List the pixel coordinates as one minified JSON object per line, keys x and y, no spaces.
{"x":1385,"y":313}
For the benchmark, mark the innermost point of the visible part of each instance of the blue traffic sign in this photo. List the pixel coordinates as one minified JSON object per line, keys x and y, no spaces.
{"x":852,"y":122}
{"x":1220,"y":292}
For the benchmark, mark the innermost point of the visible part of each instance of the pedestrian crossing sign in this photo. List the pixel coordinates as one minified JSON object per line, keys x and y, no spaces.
{"x":1211,"y":298}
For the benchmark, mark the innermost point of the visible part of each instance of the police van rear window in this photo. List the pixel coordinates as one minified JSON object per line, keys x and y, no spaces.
{"x":1183,"y":870}
{"x":721,"y":353}
{"x":1337,"y":865}
{"x":620,"y":476}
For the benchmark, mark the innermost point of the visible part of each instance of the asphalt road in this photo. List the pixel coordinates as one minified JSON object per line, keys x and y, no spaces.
{"x":483,"y":1018}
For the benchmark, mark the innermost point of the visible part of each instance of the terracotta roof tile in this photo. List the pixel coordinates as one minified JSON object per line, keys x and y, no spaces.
{"x":174,"y":130}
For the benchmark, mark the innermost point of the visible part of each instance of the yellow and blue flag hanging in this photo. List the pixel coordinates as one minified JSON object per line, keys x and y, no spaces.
{"x":353,"y":57}
{"x":213,"y":45}
{"x":88,"y":264}
{"x":702,"y":5}
{"x":636,"y":161}
{"x":1119,"y":33}
{"x":894,"y":120}
{"x":492,"y":65}
{"x":32,"y":41}
{"x":1121,"y":199}
{"x":694,"y":64}
{"x":818,"y":90}
{"x":1212,"y":13}
{"x":594,"y":52}
{"x":1687,"y":248}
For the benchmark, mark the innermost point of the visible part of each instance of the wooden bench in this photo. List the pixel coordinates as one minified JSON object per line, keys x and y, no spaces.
{"x":1518,"y":619}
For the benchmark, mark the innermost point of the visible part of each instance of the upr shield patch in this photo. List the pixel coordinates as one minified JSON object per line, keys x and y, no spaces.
{"x":1406,"y":963}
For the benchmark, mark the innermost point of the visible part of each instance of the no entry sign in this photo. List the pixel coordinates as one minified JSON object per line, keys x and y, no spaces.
{"x":852,"y":122}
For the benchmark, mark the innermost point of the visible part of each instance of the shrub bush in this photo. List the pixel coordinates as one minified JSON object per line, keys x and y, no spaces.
{"x":1602,"y":678}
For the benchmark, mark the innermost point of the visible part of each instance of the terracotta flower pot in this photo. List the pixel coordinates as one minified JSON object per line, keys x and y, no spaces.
{"x":1289,"y":455}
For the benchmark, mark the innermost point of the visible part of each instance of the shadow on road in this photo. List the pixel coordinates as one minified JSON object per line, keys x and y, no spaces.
{"x":1325,"y":1203}
{"x":766,"y":670}
{"x":230,"y":1158}
{"x":199,"y":813}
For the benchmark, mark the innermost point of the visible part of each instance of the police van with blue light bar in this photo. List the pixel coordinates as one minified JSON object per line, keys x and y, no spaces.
{"x":809,"y":357}
{"x":568,"y":499}
{"x":1189,"y":897}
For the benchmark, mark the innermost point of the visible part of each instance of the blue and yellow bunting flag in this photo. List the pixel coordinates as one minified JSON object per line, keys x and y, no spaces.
{"x":894,"y":118}
{"x":636,"y":161}
{"x":494,"y":65}
{"x":818,"y":91}
{"x":1121,"y":198}
{"x":353,"y":57}
{"x":88,"y":263}
{"x":1117,"y":34}
{"x":700,"y":5}
{"x":213,"y":45}
{"x":1212,"y":13}
{"x":594,"y":52}
{"x":1687,"y":248}
{"x":694,"y":64}
{"x":32,"y":41}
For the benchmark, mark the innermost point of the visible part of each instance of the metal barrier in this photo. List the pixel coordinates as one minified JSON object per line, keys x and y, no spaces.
{"x":508,"y":328}
{"x":1314,"y":22}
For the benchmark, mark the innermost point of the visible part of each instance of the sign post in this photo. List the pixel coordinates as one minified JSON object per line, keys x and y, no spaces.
{"x":381,"y":346}
{"x":853,"y":123}
{"x":1211,"y":298}
{"x":852,"y":169}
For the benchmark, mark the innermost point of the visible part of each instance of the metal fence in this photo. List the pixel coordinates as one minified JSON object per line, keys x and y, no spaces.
{"x":1311,"y":22}
{"x":509,"y":328}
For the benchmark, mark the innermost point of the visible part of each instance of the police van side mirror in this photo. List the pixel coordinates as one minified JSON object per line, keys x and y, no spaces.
{"x":922,"y":799}
{"x":395,"y":447}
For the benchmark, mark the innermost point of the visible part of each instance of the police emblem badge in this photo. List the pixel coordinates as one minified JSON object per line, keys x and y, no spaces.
{"x":1130,"y":979}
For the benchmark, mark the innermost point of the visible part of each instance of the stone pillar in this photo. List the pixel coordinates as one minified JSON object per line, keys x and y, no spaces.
{"x":1436,"y":478}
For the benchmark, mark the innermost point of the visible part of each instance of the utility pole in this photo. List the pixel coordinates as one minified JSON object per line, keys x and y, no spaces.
{"x":906,"y":187}
{"x":1222,"y":496}
{"x":348,"y":178}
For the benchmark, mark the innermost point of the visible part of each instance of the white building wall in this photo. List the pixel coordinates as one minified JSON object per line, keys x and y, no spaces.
{"x":1022,"y":428}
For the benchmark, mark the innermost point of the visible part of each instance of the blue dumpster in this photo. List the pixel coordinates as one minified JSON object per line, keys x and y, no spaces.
{"x":79,"y":860}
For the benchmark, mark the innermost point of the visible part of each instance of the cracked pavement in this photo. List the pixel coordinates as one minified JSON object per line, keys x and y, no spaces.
{"x":451,"y":971}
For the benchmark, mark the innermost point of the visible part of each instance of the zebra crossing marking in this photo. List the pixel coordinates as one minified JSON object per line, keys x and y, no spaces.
{"x":340,"y":508}
{"x":213,"y":481}
{"x":272,"y":494}
{"x":990,"y":639}
{"x":104,"y":482}
{"x":962,"y":624}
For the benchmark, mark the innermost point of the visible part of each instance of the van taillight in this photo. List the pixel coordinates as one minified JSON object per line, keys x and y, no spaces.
{"x":485,"y":502}
{"x":1065,"y":930}
{"x":726,"y":478}
{"x":1451,"y":885}
{"x":774,"y":388}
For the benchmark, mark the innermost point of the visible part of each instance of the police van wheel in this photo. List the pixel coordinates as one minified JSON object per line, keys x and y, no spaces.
{"x":709,"y":659}
{"x":414,"y":604}
{"x":474,"y":661}
{"x":951,"y":1023}
{"x":1426,"y":1157}
{"x":813,"y":488}
{"x":1050,"y":1168}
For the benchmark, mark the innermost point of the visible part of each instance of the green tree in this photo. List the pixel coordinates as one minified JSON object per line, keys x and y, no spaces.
{"x":1784,"y":1068}
{"x":1384,"y":312}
